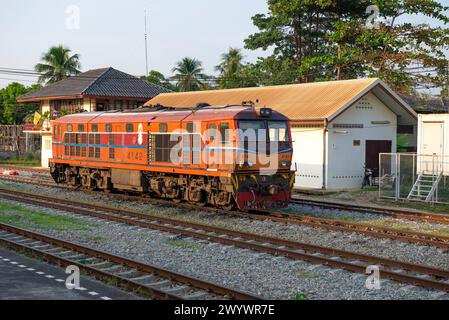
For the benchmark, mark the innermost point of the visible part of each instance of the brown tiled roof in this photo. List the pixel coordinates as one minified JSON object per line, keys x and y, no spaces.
{"x":105,"y":82}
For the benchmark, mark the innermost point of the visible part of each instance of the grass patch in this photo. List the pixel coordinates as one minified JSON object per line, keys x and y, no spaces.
{"x":299,"y":296}
{"x":24,"y":217}
{"x":26,"y":159}
{"x":305,"y":274}
{"x":181,"y":244}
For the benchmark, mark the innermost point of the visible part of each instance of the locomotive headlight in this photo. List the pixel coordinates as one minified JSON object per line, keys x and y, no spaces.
{"x":246,"y":164}
{"x":285,"y":163}
{"x":265,"y":112}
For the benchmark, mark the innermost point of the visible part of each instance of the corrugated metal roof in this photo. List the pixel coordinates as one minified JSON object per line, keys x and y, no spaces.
{"x":318,"y":100}
{"x":106,"y":82}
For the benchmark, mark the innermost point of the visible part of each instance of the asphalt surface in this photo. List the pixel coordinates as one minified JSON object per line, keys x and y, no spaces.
{"x":23,"y":278}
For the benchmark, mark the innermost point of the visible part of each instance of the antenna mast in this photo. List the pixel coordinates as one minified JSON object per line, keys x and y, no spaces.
{"x":146,"y":45}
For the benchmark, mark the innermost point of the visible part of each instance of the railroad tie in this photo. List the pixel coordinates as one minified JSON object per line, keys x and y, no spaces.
{"x":159,"y":284}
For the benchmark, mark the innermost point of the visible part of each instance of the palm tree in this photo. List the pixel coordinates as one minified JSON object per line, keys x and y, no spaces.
{"x":57,"y":64}
{"x":231,"y":62}
{"x":230,"y":69}
{"x":189,"y":75}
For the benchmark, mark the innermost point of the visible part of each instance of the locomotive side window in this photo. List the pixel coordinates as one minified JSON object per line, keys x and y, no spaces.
{"x":163,"y":127}
{"x":109,"y":127}
{"x":190,"y":127}
{"x":129,"y":128}
{"x":69,"y":128}
{"x":81,"y":138}
{"x":95,"y":128}
{"x":224,"y":132}
{"x":212,"y":131}
{"x":56,"y":132}
{"x":111,"y":146}
{"x":66,"y":142}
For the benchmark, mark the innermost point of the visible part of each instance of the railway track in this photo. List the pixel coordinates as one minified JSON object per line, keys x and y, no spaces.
{"x":315,"y":222}
{"x":390,"y":269}
{"x":143,"y":279}
{"x":391,"y":212}
{"x":25,"y":169}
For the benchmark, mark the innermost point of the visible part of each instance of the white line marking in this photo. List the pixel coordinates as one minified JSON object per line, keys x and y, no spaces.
{"x":59,"y":280}
{"x":13,"y":262}
{"x":105,"y":298}
{"x":93,"y":293}
{"x":31,"y":269}
{"x":81,"y":288}
{"x":21,"y":266}
{"x":40,"y":272}
{"x":49,"y":276}
{"x":5,"y":259}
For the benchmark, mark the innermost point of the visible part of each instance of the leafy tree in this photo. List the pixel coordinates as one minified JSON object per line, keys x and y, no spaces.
{"x":58,"y":64}
{"x":189,"y":75}
{"x":328,"y":39}
{"x":157,"y":78}
{"x":12,"y":112}
{"x":299,"y":32}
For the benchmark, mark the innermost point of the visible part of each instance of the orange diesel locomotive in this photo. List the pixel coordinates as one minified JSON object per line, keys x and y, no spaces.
{"x":202,"y":156}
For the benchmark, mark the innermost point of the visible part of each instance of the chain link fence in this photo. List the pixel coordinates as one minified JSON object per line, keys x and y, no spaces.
{"x":414,"y":177}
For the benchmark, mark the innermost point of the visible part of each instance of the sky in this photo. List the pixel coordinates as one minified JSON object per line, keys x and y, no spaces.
{"x":111,"y":33}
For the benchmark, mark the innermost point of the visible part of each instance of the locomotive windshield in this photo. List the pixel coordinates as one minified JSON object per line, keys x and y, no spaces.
{"x":273,"y":131}
{"x":257,"y":133}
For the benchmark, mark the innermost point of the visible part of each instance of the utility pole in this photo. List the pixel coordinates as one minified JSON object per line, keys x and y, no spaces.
{"x":146,"y":46}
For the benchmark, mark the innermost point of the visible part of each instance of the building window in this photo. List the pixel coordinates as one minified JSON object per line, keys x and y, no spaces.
{"x":405,"y":129}
{"x":129,"y":128}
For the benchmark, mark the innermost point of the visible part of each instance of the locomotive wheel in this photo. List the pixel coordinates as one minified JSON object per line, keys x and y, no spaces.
{"x":228,"y":207}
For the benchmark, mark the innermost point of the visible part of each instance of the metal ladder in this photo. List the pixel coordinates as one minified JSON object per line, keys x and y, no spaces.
{"x":425,"y":187}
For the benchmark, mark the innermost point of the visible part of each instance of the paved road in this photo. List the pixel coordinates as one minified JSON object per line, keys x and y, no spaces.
{"x":22,"y":278}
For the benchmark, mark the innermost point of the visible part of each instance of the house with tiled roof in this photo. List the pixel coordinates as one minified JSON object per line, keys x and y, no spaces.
{"x":95,"y":90}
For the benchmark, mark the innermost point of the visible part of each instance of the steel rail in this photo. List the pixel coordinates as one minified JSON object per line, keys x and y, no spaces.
{"x":392,"y":212}
{"x":275,"y":246}
{"x":328,"y":224}
{"x":168,"y":289}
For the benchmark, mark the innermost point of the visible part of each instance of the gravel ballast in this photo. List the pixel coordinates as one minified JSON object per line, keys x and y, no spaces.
{"x":261,"y":274}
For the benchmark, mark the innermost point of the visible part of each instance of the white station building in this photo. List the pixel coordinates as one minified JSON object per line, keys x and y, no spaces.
{"x":338,"y":127}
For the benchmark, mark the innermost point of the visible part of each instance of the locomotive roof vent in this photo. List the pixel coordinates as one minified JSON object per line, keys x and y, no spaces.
{"x":202,"y":105}
{"x":249,"y":103}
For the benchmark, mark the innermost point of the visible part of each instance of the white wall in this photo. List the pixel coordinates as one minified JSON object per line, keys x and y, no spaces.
{"x":308,"y":156}
{"x":46,"y":152}
{"x":433,"y":137}
{"x":423,"y":136}
{"x":345,"y":162}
